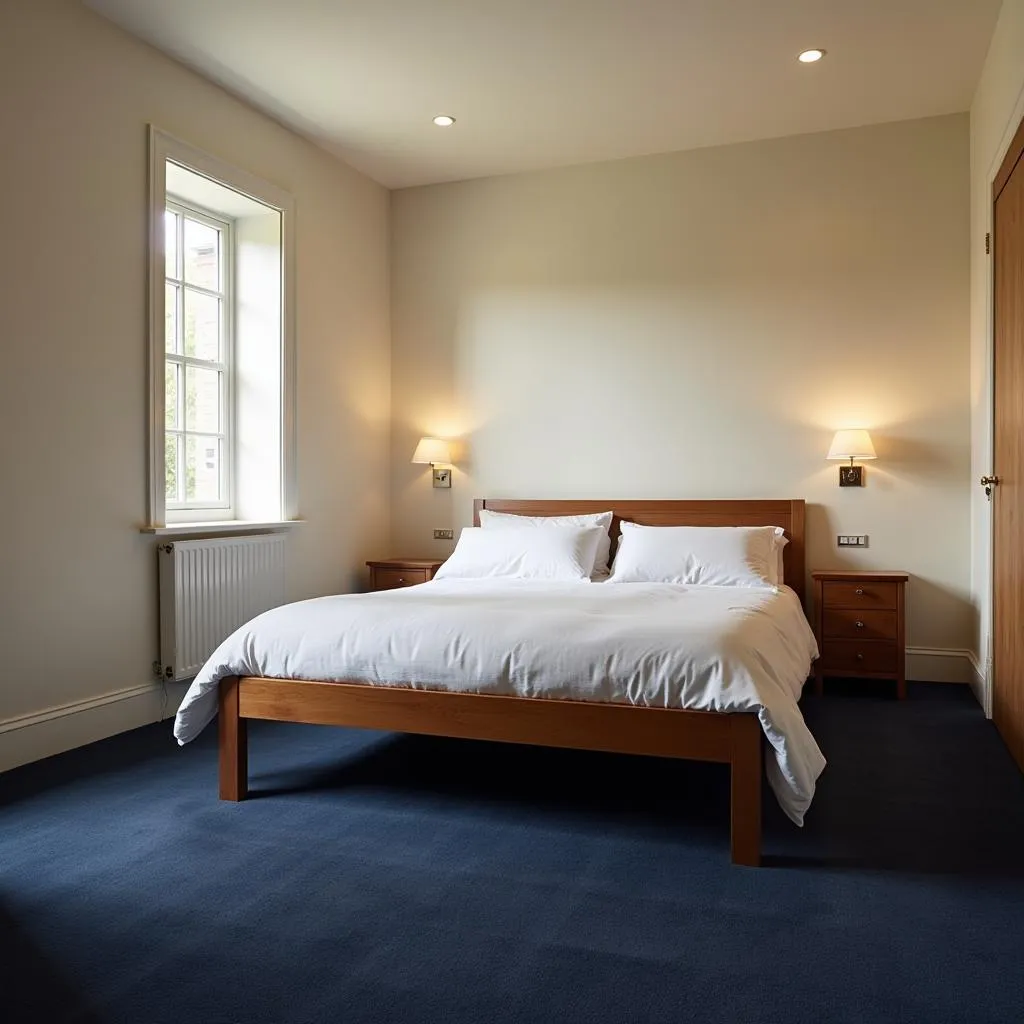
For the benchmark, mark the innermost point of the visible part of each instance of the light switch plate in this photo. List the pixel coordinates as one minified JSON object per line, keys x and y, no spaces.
{"x":852,"y":540}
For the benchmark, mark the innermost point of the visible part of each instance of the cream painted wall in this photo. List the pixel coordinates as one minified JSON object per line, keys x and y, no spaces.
{"x":995,"y":113}
{"x":696,"y":325}
{"x":77,"y":580}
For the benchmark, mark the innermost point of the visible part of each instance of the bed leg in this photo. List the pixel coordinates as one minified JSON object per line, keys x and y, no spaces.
{"x":234,"y":743}
{"x":746,"y":789}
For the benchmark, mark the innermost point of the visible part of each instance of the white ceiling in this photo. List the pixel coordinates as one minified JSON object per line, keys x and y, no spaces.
{"x":543,"y":83}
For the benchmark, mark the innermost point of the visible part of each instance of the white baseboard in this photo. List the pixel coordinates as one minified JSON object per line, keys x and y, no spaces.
{"x":40,"y":734}
{"x":43,"y":733}
{"x":940,"y":665}
{"x":979,"y":685}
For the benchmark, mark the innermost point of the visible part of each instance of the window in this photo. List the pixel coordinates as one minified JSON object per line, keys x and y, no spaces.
{"x":199,"y":438}
{"x":222,"y":347}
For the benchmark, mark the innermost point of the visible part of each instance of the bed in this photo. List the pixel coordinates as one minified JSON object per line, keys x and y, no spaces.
{"x":389,"y":694}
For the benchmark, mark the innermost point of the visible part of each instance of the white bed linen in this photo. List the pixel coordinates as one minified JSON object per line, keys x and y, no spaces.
{"x":654,"y":644}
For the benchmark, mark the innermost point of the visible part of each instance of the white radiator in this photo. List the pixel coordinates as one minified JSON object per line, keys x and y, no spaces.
{"x":208,"y":588}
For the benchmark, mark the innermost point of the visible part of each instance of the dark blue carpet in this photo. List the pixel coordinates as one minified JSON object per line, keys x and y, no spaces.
{"x":387,"y":878}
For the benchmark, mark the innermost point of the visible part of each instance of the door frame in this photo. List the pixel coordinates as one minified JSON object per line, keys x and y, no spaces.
{"x":1011,"y":149}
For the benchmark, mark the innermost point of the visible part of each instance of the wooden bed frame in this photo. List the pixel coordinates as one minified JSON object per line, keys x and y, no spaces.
{"x":733,"y":739}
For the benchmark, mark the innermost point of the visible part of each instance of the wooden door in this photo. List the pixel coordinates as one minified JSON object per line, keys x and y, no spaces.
{"x":1008,"y":495}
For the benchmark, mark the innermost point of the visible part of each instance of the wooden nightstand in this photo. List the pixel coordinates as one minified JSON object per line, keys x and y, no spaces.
{"x":394,"y":573}
{"x":860,"y":625}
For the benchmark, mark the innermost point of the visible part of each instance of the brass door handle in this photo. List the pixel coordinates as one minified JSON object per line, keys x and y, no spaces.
{"x":988,"y":482}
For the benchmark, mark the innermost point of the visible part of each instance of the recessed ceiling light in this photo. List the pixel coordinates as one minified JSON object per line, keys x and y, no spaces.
{"x":444,"y":120}
{"x":810,"y":56}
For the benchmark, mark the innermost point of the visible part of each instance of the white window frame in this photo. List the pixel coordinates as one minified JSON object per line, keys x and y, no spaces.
{"x":226,"y":295}
{"x":164,"y":147}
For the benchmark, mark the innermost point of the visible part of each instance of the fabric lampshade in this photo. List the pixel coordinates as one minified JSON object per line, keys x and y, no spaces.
{"x":433,"y":450}
{"x":852,"y":444}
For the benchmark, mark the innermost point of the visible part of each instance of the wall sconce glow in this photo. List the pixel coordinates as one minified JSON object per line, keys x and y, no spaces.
{"x":851,"y":444}
{"x":810,"y":56}
{"x":437,"y":454}
{"x":444,"y":120}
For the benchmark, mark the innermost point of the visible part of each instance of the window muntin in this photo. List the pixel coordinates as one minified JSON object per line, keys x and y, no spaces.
{"x":198,"y":421}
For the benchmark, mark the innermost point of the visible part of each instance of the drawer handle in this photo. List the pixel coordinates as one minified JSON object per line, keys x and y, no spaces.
{"x":859,"y":624}
{"x":401,"y":579}
{"x":860,"y":657}
{"x":859,"y":591}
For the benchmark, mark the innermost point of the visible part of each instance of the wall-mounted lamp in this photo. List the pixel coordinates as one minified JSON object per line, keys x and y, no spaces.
{"x":851,"y":444}
{"x":438,"y":454}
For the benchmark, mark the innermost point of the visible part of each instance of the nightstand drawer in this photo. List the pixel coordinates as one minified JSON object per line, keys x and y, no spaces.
{"x":857,"y":656}
{"x":395,"y":579}
{"x":836,"y":594}
{"x":859,"y":620}
{"x":860,"y":624}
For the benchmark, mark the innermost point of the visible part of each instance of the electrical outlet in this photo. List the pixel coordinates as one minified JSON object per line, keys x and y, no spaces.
{"x":444,"y":534}
{"x":852,"y":540}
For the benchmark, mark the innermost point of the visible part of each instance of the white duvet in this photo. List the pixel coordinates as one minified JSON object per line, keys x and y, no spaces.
{"x":653,"y":644}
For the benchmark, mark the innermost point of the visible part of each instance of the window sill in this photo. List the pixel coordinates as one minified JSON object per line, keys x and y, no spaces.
{"x":219,"y":527}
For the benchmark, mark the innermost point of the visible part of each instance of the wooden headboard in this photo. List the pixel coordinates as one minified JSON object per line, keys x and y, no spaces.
{"x":787,"y":513}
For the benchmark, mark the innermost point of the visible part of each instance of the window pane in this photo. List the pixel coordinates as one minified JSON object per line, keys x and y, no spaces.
{"x":202,"y":326}
{"x":202,"y":255}
{"x":202,"y":469}
{"x":171,"y":396}
{"x":171,"y":467}
{"x":171,"y":318}
{"x":202,"y":399}
{"x":171,"y":242}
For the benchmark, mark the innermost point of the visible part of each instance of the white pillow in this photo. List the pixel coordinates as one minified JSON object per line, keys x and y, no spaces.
{"x":720,"y":556}
{"x":509,"y":520}
{"x":780,"y":562}
{"x":562,"y":554}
